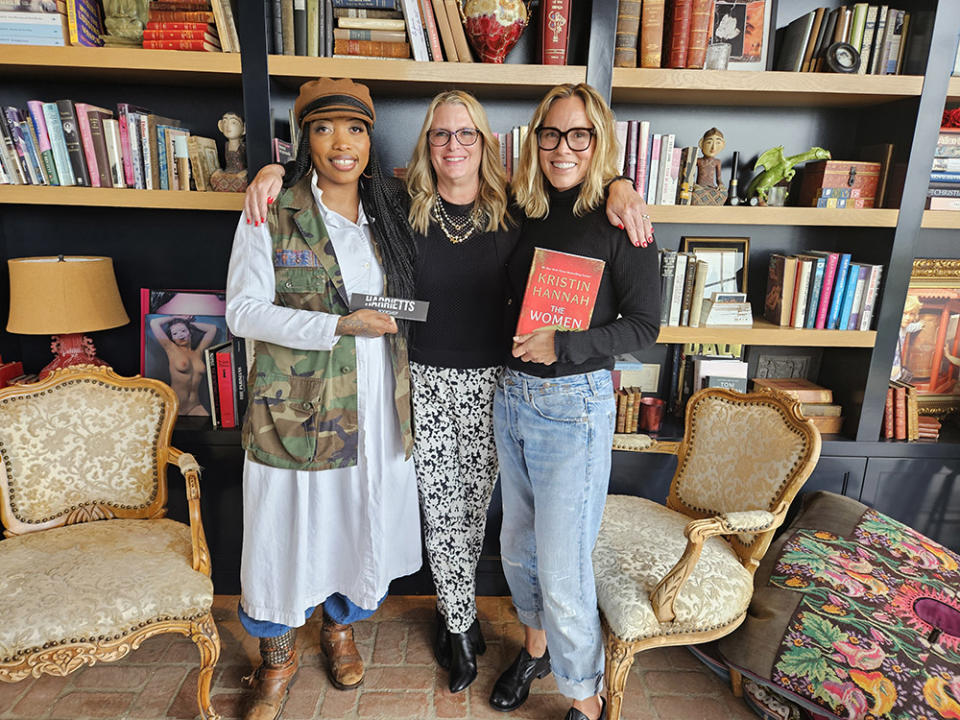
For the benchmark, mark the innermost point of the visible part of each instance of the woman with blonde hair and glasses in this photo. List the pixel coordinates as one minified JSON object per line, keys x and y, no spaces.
{"x":464,"y":233}
{"x":554,"y":408}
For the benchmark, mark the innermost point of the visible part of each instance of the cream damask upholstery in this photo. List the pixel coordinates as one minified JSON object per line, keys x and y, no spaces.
{"x":90,"y":567}
{"x":683,"y":573}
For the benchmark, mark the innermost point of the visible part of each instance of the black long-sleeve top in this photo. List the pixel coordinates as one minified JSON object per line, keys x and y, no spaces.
{"x":630,"y":287}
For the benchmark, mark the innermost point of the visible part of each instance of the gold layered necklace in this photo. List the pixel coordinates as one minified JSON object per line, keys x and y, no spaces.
{"x":456,"y":228}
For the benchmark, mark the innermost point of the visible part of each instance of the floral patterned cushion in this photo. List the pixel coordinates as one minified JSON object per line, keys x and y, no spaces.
{"x":639,"y":542}
{"x":56,"y":458}
{"x":96,"y":579}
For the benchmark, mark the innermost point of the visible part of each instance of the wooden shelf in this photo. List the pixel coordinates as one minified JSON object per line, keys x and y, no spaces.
{"x":766,"y":333}
{"x":771,"y":89}
{"x":746,"y":215}
{"x":111,"y":197}
{"x":422,"y":79}
{"x":941,"y":219}
{"x":120,"y":64}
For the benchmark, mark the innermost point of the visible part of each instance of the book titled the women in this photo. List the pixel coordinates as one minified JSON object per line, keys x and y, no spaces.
{"x":561,"y":291}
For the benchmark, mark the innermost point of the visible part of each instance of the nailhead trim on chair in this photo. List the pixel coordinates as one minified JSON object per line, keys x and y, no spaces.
{"x":685,"y":629}
{"x":101,"y":638}
{"x":12,"y":492}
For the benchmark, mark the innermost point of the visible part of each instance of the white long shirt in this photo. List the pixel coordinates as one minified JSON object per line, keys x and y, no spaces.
{"x":309,"y":534}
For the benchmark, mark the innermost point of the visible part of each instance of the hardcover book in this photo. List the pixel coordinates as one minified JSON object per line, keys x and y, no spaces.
{"x":554,"y":31}
{"x":561,"y":291}
{"x":797,"y":388}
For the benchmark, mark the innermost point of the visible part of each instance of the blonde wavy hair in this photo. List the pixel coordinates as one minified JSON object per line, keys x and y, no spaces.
{"x":422,"y":179}
{"x":529,"y":182}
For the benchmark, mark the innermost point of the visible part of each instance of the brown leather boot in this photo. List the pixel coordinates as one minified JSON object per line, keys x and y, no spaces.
{"x":271,"y":681}
{"x":344,"y":664}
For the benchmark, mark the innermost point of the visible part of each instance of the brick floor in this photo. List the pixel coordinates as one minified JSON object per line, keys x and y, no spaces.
{"x":158,"y":681}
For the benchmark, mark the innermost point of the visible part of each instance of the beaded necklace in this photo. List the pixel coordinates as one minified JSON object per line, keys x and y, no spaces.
{"x":457,"y":229}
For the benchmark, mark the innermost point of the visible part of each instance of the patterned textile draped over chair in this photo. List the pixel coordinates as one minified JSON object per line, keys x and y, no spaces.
{"x":683,"y":573}
{"x":90,"y":567}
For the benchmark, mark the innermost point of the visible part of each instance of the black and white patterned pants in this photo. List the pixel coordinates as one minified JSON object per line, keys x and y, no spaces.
{"x":456,"y":462}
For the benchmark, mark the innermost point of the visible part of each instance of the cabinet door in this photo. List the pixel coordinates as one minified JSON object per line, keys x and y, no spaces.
{"x":921,"y":493}
{"x":841,"y":475}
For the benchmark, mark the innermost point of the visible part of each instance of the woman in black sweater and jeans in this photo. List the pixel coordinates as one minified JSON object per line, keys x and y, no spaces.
{"x":554,"y":408}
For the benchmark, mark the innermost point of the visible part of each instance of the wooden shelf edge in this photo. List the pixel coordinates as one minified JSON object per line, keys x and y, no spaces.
{"x":116,"y":197}
{"x":746,"y":215}
{"x":71,"y":59}
{"x":766,"y":333}
{"x":941,"y":219}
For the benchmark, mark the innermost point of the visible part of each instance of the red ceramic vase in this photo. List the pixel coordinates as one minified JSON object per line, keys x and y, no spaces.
{"x":494,"y":26}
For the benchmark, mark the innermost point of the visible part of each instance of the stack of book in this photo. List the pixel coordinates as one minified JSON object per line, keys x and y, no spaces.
{"x":694,"y":282}
{"x":821,"y":290}
{"x":36,"y":23}
{"x":887,"y":40}
{"x":943,"y":193}
{"x":191,"y":25}
{"x":816,"y":401}
{"x":377,"y":29}
{"x":67,"y":143}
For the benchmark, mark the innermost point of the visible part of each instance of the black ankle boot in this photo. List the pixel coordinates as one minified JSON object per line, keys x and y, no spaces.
{"x":512,"y":688}
{"x":441,"y":643}
{"x":464,"y":648}
{"x":574,"y":714}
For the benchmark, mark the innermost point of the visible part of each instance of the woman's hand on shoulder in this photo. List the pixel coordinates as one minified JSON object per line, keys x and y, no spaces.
{"x":627,"y":210}
{"x":262,"y":192}
{"x":366,"y":323}
{"x":537,"y":346}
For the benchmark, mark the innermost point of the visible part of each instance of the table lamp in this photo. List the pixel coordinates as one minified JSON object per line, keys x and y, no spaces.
{"x":64,"y":296}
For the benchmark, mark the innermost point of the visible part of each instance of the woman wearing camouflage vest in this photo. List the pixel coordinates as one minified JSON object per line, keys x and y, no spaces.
{"x":329,"y":494}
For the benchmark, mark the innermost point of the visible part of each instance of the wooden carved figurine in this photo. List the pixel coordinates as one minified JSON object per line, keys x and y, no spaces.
{"x":233,"y":178}
{"x":709,"y":188}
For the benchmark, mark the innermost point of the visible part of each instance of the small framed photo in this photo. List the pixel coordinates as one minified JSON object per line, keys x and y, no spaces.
{"x":726,"y":259}
{"x":744,"y":25}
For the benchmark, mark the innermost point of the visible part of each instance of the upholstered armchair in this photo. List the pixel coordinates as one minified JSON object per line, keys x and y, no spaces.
{"x":90,"y":568}
{"x":682,"y":573}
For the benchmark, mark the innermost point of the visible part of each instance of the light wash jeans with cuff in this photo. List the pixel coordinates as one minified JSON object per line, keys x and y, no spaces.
{"x":554,"y":442}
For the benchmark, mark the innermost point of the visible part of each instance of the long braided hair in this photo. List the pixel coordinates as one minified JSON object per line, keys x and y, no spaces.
{"x":391,"y":231}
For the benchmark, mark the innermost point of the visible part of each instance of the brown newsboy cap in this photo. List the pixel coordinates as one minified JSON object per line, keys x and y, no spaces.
{"x":326,"y":97}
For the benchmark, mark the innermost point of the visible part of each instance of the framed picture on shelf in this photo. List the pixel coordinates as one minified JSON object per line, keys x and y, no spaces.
{"x":744,"y":25}
{"x":726,"y":259}
{"x":928,"y":347}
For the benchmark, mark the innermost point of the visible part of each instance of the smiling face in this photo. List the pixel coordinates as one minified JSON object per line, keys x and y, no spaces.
{"x":180,"y":334}
{"x":453,"y":163}
{"x":339,"y":150}
{"x":562,"y":167}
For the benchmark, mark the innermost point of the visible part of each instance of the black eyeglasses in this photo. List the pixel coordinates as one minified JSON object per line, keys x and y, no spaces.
{"x":465,"y":136}
{"x":578,"y":139}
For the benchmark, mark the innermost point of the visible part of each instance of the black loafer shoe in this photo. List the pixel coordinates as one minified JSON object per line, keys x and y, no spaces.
{"x":464,"y":648}
{"x":441,"y":643}
{"x":512,"y":688}
{"x":574,"y":714}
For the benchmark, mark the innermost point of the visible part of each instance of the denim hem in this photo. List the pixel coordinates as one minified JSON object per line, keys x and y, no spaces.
{"x":530,"y":619}
{"x":578,"y":689}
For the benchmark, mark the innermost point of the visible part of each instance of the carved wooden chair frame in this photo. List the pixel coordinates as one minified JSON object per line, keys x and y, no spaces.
{"x":71,"y":655}
{"x":704,"y":524}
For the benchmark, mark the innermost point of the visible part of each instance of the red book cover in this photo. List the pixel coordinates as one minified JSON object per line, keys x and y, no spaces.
{"x":554,"y":31}
{"x":180,"y":17}
{"x":196,"y":45}
{"x":829,"y":275}
{"x":225,"y":387}
{"x":561,"y":291}
{"x":430,"y":25}
{"x":900,"y":413}
{"x":157,"y":25}
{"x":700,"y":22}
{"x":680,"y":33}
{"x":181,"y":35}
{"x":888,"y":415}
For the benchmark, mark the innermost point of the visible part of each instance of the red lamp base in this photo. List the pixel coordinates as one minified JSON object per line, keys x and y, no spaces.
{"x":69,"y":350}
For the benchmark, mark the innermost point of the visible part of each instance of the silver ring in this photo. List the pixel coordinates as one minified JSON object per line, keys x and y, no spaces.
{"x":645,"y":217}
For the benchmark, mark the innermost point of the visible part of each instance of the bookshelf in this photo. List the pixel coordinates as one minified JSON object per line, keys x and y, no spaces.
{"x":167,"y":239}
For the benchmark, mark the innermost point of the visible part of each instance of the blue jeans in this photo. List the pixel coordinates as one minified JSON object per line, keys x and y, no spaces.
{"x":554,"y":442}
{"x":338,"y":607}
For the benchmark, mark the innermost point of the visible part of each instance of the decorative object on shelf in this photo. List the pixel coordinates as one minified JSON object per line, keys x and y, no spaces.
{"x":744,"y":25}
{"x":64,"y":296}
{"x":709,"y":188}
{"x":841,"y":57}
{"x":733,"y":198}
{"x":233,"y":178}
{"x":124,"y":21}
{"x":727,"y":259}
{"x":929,"y":343}
{"x":718,"y":56}
{"x":776,"y":168}
{"x":494,"y":26}
{"x":783,"y":366}
{"x":839,"y":184}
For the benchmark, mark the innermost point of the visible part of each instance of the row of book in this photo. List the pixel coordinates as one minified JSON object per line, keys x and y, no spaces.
{"x":693,"y":283}
{"x":65,"y":143}
{"x":821,"y":290}
{"x":901,"y":417}
{"x":682,"y":33}
{"x":227,"y":366}
{"x":816,"y":401}
{"x":190,"y":25}
{"x":51,"y":23}
{"x":943,"y":192}
{"x":861,"y":38}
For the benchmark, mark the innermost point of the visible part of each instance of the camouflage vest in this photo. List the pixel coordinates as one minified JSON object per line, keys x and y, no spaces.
{"x":302,"y":412}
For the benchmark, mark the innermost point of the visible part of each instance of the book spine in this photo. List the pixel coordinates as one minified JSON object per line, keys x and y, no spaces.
{"x":364,"y":4}
{"x":8,"y":155}
{"x":175,"y":16}
{"x":202,"y":34}
{"x":813,"y":297}
{"x":300,"y":27}
{"x":643,"y":156}
{"x":16,"y":145}
{"x":651,"y":33}
{"x":125,"y":148}
{"x":43,"y":140}
{"x":162,"y":169}
{"x":701,"y":19}
{"x":680,"y":33}
{"x":370,"y":47}
{"x":240,"y":377}
{"x":689,"y":278}
{"x":878,"y":39}
{"x":136,"y":156}
{"x":111,"y":131}
{"x":192,"y":45}
{"x":277,"y":25}
{"x":869,"y":28}
{"x":653,"y":169}
{"x":554,"y":32}
{"x":854,"y":322}
{"x":676,"y":296}
{"x":68,"y":120}
{"x":800,"y":293}
{"x":30,"y":137}
{"x":210,"y":363}
{"x":850,"y":289}
{"x":147,"y":152}
{"x":870,"y":300}
{"x":900,"y":413}
{"x":829,"y":277}
{"x":418,"y":46}
{"x":99,"y":143}
{"x":628,"y":28}
{"x":431,"y":30}
{"x":365,"y":13}
{"x":663,"y":172}
{"x":888,"y":415}
{"x":668,"y":264}
{"x":225,"y":388}
{"x":58,"y":144}
{"x":287,"y":23}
